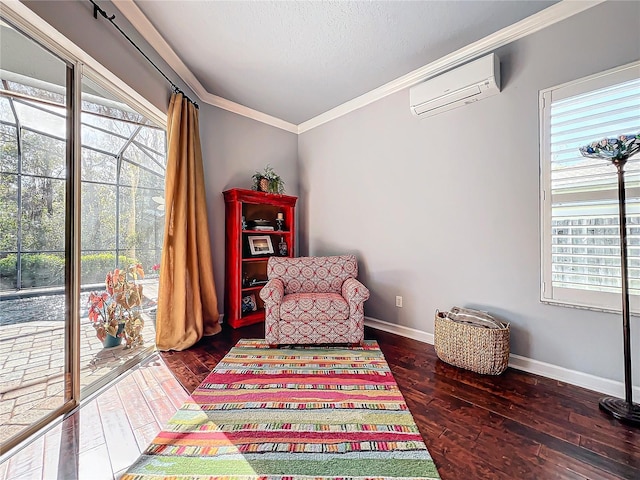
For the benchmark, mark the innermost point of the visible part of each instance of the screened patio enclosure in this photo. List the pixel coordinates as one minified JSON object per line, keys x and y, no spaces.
{"x":123,"y":164}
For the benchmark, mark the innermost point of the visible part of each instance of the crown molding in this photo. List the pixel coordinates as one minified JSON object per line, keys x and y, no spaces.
{"x":553,"y":14}
{"x":230,"y":106}
{"x":142,"y":24}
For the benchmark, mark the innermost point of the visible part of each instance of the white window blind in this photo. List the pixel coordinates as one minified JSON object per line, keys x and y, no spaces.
{"x":580,"y":227}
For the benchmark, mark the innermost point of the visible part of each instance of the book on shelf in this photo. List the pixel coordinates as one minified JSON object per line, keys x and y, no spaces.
{"x":261,"y":228}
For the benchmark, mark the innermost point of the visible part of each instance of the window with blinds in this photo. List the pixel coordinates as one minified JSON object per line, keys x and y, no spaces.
{"x":579,"y":198}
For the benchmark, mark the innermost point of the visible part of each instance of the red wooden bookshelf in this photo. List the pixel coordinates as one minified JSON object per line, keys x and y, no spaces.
{"x":240,"y":262}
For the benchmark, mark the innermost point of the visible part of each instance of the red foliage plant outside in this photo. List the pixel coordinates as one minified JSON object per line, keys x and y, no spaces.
{"x":116,"y":311}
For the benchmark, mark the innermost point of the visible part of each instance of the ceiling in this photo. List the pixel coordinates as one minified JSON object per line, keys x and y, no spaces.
{"x":295,"y":60}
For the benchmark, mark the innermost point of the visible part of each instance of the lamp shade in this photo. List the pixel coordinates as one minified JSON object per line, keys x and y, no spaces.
{"x":620,"y":148}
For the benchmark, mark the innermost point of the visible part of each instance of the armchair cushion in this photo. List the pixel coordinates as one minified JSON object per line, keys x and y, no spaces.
{"x":315,"y":331}
{"x":309,"y":306}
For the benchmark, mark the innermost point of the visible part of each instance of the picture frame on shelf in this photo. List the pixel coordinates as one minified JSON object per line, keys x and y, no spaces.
{"x":249,"y":303}
{"x":260,"y":245}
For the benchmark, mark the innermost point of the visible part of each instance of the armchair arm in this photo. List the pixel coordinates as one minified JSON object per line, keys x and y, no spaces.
{"x":273,"y":291}
{"x":354,"y":292}
{"x":272,"y":294}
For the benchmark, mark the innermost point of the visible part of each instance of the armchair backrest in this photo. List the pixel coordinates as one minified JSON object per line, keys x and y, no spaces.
{"x":313,"y":274}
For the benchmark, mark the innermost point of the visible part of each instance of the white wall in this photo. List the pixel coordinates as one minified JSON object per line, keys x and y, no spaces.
{"x":233,"y":147}
{"x":445,"y":211}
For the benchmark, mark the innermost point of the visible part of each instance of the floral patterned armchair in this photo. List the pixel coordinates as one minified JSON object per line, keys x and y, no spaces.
{"x":312,"y":300}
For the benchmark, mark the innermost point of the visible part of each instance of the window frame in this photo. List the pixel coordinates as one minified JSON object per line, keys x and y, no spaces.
{"x":561,"y":296}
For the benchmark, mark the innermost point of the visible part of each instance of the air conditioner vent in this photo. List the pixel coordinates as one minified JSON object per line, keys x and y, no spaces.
{"x":464,"y":85}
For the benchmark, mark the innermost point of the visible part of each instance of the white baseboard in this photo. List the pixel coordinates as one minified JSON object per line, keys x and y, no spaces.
{"x":574,"y":377}
{"x":399,"y":330}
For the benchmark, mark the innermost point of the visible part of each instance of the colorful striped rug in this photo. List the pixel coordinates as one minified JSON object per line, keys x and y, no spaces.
{"x":293,"y":413}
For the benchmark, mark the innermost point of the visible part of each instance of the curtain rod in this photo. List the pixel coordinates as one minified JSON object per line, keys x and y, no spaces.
{"x":176,"y":89}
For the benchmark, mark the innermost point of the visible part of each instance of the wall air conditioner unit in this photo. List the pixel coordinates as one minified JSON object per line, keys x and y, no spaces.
{"x":463,"y":85}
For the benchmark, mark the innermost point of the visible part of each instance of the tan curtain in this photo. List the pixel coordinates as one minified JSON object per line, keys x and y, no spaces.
{"x":187,"y":302}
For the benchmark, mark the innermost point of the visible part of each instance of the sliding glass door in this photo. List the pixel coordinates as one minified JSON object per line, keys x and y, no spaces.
{"x":75,"y":208}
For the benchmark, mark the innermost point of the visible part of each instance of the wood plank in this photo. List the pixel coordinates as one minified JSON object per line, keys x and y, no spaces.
{"x":138,"y":411}
{"x":160,"y":404}
{"x":4,"y":466}
{"x":590,"y":459}
{"x":625,"y":452}
{"x":557,"y":424}
{"x":471,"y":406}
{"x":121,"y":443}
{"x":145,"y":434}
{"x":68,"y":454}
{"x":94,"y":464}
{"x":438,"y":418}
{"x":452,"y":406}
{"x":90,"y":431}
{"x":448,"y":454}
{"x":516,"y":461}
{"x":52,"y":443}
{"x":183,"y":374}
{"x":25,"y":466}
{"x":605,"y":429}
{"x":568,"y":462}
{"x":170,"y":386}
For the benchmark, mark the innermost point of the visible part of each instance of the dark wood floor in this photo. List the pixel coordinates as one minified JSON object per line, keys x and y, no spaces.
{"x":515,"y":426}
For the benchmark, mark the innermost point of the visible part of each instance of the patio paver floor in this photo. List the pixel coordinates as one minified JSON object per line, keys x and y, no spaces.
{"x":32,"y":366}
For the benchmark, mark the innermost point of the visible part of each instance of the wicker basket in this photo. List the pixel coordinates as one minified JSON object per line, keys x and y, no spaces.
{"x":472,"y":340}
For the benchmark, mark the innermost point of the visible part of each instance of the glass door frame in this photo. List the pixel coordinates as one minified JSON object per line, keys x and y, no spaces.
{"x":72,"y":232}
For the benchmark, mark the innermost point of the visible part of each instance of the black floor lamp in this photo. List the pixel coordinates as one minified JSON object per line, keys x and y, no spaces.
{"x":617,"y":151}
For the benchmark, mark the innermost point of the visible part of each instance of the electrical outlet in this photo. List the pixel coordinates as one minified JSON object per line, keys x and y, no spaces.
{"x":398,"y":301}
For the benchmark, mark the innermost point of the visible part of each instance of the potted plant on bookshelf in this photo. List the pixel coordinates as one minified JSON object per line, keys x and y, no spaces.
{"x":268,"y":181}
{"x":116,"y":312}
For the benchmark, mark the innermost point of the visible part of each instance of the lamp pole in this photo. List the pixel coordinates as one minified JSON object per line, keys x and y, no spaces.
{"x":624,"y":410}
